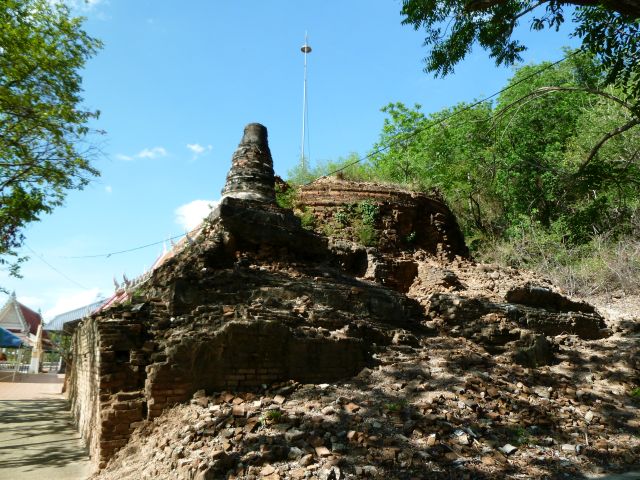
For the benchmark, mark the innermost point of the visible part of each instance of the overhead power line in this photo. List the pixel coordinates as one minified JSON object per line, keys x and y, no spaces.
{"x":403,"y":137}
{"x":62,"y":274}
{"x":107,"y":255}
{"x":396,"y":140}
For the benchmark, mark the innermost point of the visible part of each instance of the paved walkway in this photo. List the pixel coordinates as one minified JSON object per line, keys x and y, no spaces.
{"x":37,"y":438}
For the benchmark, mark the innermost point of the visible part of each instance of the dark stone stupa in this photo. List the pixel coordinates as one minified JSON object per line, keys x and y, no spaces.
{"x":251,"y":176}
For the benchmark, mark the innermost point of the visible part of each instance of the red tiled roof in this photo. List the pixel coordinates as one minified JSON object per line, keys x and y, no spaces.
{"x":32,"y":318}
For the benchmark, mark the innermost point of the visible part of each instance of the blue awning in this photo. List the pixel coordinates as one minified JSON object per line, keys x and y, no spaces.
{"x":8,"y":339}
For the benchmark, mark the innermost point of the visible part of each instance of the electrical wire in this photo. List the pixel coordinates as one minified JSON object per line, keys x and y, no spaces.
{"x":396,"y":140}
{"x":402,"y":137}
{"x":107,"y":255}
{"x":62,"y":274}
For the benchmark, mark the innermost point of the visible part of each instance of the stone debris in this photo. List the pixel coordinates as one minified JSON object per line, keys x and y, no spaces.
{"x":264,"y":350}
{"x":431,"y":411}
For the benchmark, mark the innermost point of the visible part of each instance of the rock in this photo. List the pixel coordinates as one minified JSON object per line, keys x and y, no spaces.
{"x":464,"y":439}
{"x":545,"y":298}
{"x":239,"y":411}
{"x":295,"y":453}
{"x":293,"y":435}
{"x":369,"y":470}
{"x":351,"y":407}
{"x":534,"y":351}
{"x":508,"y":449}
{"x":328,"y":410}
{"x":322,"y":451}
{"x":177,"y":452}
{"x":306,"y":460}
{"x":267,"y":470}
{"x":297,"y":473}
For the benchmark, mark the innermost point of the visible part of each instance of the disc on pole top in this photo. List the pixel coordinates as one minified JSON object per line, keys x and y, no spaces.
{"x":305,"y":48}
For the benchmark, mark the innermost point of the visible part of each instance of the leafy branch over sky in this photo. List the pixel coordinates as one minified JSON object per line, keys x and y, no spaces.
{"x":43,"y":127}
{"x":609,"y":30}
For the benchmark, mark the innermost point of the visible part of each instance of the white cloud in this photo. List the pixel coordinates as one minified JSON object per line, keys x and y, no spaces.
{"x":198,"y":149}
{"x":189,"y":215}
{"x":195,"y":148}
{"x":108,"y":189}
{"x":154,"y":152}
{"x":70,"y":301}
{"x":31,"y":302}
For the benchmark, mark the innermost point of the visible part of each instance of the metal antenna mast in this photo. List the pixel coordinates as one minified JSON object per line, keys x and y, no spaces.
{"x":304,"y":49}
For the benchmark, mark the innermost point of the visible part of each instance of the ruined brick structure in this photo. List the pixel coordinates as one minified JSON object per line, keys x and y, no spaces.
{"x":251,"y":176}
{"x":254,"y":299}
{"x":405,"y":220}
{"x":396,"y":223}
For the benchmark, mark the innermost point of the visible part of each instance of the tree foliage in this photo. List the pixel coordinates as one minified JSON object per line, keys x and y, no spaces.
{"x":43,"y":127}
{"x":526,"y":159}
{"x":609,"y":30}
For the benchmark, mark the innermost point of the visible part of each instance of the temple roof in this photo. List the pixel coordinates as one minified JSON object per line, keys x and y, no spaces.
{"x":32,"y":318}
{"x":57,"y":322}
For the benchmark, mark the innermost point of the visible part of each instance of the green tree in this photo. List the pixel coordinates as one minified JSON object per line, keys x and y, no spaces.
{"x":43,"y":127}
{"x":401,"y":142}
{"x":449,"y":151}
{"x":609,"y":30}
{"x":556,"y":164}
{"x":528,"y":159}
{"x":350,"y":168}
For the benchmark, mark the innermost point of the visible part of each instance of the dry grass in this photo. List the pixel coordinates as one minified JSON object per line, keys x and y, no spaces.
{"x":601,"y":267}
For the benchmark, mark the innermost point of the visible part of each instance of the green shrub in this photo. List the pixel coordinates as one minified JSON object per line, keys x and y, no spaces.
{"x":369,"y":212}
{"x":307,"y":219}
{"x":367,"y":235}
{"x":286,"y":198}
{"x":343,"y":217}
{"x":603,"y":265}
{"x":271,"y":416}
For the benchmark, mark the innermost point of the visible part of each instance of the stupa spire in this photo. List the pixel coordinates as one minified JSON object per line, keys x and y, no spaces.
{"x":251,"y":176}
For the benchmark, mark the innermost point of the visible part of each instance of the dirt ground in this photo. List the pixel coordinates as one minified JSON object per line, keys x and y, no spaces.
{"x":442,"y":409}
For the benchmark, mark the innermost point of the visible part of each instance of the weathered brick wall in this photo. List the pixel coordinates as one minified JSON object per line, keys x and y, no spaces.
{"x":84,"y":382}
{"x":246,"y":354}
{"x":107,"y":380}
{"x":406,"y":219}
{"x":234,"y":310}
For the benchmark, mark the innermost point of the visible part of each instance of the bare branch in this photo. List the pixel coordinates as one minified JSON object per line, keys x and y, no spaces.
{"x":615,"y":132}
{"x":592,"y":91}
{"x":630,"y":8}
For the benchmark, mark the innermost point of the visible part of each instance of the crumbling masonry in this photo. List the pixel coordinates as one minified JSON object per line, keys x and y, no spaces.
{"x":254,"y":298}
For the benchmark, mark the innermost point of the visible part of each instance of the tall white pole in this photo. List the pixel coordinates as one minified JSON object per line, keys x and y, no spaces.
{"x":305,"y":49}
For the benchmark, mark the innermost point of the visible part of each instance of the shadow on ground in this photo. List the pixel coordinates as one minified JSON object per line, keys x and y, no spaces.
{"x":38,"y":440}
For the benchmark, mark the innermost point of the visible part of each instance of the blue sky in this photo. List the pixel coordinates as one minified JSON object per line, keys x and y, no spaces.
{"x":177,"y":81}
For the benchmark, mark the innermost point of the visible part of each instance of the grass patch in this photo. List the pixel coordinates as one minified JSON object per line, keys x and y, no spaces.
{"x":603,"y":265}
{"x":271,"y":416}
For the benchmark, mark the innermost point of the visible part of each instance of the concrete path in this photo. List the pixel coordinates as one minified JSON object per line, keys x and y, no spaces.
{"x":37,"y":438}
